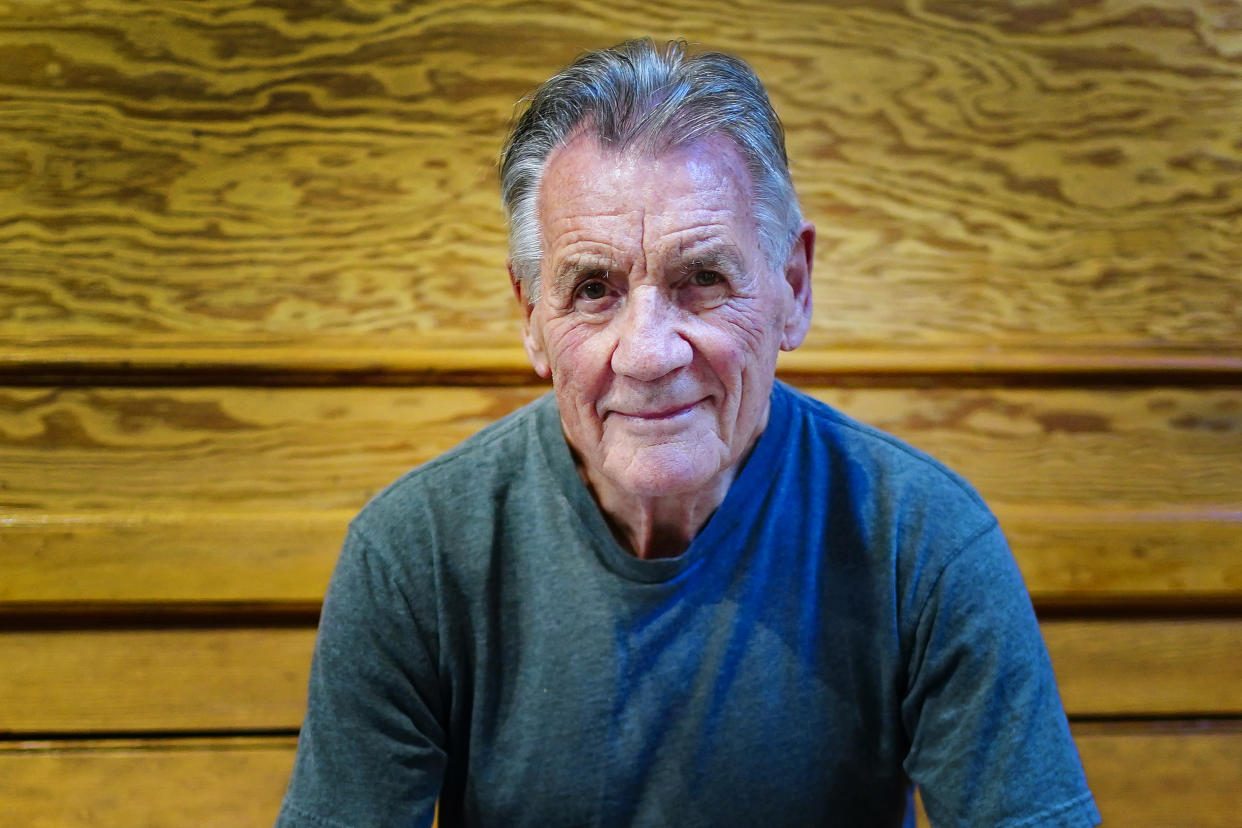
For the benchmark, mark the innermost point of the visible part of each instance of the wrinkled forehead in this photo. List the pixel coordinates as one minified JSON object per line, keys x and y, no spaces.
{"x":667,"y":189}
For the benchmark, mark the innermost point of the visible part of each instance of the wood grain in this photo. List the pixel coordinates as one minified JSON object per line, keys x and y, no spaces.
{"x":1173,"y":668}
{"x":1163,"y":775}
{"x":141,"y":451}
{"x":217,"y":195}
{"x":1142,"y":776}
{"x":1090,"y":557}
{"x":264,"y":176}
{"x":242,"y":495}
{"x":1151,"y":447}
{"x":178,"y":558}
{"x":230,"y":783}
{"x":209,"y":449}
{"x":1069,"y":557}
{"x":158,"y":680}
{"x":467,"y":358}
{"x":209,"y":679}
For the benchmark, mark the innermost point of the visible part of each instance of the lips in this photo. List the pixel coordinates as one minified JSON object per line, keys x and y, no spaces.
{"x":666,"y":412}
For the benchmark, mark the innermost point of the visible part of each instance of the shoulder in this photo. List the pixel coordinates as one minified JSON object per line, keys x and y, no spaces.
{"x":916,"y":518}
{"x":889,"y":469}
{"x":469,"y":478}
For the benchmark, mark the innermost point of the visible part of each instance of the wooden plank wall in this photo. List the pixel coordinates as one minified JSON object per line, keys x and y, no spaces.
{"x":252,"y":268}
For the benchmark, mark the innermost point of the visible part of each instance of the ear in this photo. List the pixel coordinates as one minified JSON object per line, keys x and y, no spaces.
{"x":532,"y":334}
{"x":798,"y":277}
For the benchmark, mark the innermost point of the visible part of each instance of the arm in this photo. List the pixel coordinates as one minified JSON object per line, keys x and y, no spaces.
{"x":989,"y":739}
{"x":372,"y":745}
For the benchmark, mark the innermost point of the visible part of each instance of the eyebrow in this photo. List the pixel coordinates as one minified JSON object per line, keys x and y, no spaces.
{"x":575,"y":267}
{"x":711,"y":257}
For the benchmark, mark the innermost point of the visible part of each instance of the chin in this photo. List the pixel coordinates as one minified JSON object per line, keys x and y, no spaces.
{"x":662,"y":472}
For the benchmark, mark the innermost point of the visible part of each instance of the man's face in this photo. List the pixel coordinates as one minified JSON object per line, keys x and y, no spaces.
{"x":659,"y":319}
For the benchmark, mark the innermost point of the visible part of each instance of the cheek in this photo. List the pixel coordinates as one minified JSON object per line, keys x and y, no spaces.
{"x":580,"y":357}
{"x":743,"y":340}
{"x":754,"y":320}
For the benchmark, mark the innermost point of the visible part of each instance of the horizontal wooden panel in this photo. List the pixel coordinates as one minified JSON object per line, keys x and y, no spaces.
{"x":171,"y":558}
{"x":100,"y":451}
{"x":1067,"y":557}
{"x":223,"y":494}
{"x":78,"y":681}
{"x":230,"y":783}
{"x":1084,"y":556}
{"x":1162,"y":775}
{"x":481,"y":359}
{"x":1142,"y":776}
{"x":159,"y":680}
{"x":1049,"y":448}
{"x":1177,"y":667}
{"x":209,"y":449}
{"x":993,"y":174}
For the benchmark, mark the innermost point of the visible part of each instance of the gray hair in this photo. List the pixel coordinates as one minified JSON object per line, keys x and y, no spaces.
{"x":638,"y":94}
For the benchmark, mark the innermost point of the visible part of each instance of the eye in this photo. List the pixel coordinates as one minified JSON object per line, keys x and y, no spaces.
{"x":594,"y":295}
{"x":705,"y":278}
{"x":593,"y":290}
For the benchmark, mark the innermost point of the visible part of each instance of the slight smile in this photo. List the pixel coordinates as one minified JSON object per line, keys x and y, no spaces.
{"x":660,"y":415}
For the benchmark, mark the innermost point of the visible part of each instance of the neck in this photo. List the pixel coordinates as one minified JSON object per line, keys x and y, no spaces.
{"x":657,"y":527}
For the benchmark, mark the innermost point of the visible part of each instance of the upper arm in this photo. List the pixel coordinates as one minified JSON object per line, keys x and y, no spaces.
{"x":372,"y":746}
{"x":990,"y":743}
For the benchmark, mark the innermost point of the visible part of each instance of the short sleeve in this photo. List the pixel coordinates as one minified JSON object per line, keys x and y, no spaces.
{"x":372,"y":746}
{"x":989,"y":740}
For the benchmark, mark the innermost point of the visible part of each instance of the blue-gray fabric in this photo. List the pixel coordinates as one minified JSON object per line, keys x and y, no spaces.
{"x":849,"y":620}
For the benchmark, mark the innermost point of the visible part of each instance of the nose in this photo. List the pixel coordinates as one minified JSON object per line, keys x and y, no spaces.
{"x":649,"y":345}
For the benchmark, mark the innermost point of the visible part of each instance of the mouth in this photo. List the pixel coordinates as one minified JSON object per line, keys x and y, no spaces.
{"x":663,"y":413}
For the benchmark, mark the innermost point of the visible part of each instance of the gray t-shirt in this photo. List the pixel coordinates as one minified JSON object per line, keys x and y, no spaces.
{"x":849,"y":620}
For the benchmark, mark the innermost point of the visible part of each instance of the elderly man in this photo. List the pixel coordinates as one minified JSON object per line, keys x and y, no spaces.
{"x":675,"y":592}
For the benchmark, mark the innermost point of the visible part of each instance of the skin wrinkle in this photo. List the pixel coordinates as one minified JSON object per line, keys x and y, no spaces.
{"x":662,"y":369}
{"x":574,"y":269}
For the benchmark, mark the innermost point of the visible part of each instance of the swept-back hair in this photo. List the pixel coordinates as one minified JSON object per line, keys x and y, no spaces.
{"x":638,"y":94}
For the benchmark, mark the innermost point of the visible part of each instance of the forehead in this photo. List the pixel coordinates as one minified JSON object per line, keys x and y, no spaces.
{"x":594,"y":196}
